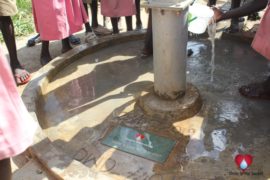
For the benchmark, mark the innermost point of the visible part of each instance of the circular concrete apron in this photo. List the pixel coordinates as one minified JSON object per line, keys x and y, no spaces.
{"x":80,"y":97}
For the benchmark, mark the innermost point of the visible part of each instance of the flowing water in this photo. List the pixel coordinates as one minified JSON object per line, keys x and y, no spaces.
{"x":212,"y":33}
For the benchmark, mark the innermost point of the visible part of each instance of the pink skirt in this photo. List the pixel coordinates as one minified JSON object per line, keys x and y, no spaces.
{"x":16,"y":125}
{"x":261,"y":42}
{"x":58,"y":19}
{"x":118,"y":8}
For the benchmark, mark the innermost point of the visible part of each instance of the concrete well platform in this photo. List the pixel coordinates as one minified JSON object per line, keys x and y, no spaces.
{"x":80,"y":97}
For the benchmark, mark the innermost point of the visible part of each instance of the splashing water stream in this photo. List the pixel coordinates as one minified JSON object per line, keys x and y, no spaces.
{"x":212,"y":33}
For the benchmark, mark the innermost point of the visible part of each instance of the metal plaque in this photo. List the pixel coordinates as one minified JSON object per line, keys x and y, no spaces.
{"x":143,"y":144}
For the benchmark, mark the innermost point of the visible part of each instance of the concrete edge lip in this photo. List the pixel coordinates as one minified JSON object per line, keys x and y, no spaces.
{"x":56,"y":162}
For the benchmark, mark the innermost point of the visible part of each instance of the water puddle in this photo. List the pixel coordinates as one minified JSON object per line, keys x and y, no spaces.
{"x":196,"y":149}
{"x":219,"y":139}
{"x":196,"y":47}
{"x":54,"y":108}
{"x":230,"y":111}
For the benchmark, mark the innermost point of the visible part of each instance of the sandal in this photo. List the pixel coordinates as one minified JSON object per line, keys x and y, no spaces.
{"x":22,"y":76}
{"x":101,"y":31}
{"x":189,"y":52}
{"x":74,"y":40}
{"x":255,"y":91}
{"x":90,"y":36}
{"x":33,"y":41}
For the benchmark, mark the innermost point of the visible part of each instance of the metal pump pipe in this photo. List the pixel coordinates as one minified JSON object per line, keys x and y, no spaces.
{"x":170,"y":36}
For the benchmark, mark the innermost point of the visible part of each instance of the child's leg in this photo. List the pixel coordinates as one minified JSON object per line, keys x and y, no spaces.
{"x":212,"y":2}
{"x":88,"y":30}
{"x":114,"y":21}
{"x":94,"y":12}
{"x":235,"y":21}
{"x":65,"y":45}
{"x":148,"y":42}
{"x":5,"y":169}
{"x":87,"y":25}
{"x":138,"y":15}
{"x":7,"y":28}
{"x":45,"y":56}
{"x":99,"y":30}
{"x":129,"y":23}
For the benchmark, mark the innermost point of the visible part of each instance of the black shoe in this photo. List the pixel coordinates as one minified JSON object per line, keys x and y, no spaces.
{"x":189,"y":52}
{"x":138,"y":27}
{"x":74,"y":40}
{"x":31,"y":42}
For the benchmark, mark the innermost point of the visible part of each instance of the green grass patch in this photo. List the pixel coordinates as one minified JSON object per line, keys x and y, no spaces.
{"x":23,"y":20}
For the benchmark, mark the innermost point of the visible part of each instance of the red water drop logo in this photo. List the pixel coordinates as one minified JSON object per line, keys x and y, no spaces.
{"x":139,"y":137}
{"x":243,"y":161}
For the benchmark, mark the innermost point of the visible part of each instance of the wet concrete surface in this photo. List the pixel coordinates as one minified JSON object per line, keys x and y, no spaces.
{"x":91,"y":96}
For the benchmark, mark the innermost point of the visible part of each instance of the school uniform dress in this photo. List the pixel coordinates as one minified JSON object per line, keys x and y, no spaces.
{"x":8,"y":8}
{"x":118,"y":8}
{"x":16,"y":125}
{"x":58,"y":19}
{"x":261,"y":41}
